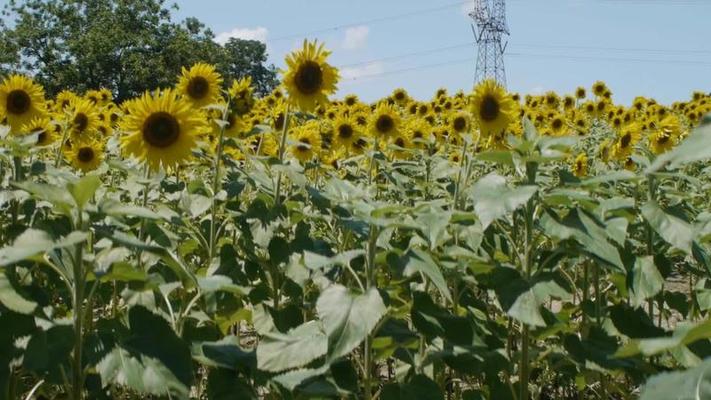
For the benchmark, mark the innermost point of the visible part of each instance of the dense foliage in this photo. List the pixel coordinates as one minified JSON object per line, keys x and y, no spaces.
{"x":125,"y":46}
{"x":197,"y":242}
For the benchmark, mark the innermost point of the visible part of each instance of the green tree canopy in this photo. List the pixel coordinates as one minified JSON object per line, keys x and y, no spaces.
{"x":128,"y":46}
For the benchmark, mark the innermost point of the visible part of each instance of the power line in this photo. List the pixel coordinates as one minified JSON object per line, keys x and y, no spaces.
{"x":371,"y":21}
{"x":543,"y":46}
{"x":531,"y":55}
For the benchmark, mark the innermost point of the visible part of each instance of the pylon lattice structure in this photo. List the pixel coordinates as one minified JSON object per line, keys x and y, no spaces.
{"x":491,"y":28}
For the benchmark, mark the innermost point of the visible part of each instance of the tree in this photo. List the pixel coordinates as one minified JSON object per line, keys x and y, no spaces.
{"x":128,"y":46}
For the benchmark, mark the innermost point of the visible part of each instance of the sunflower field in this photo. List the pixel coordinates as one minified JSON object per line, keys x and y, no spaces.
{"x":201,"y":242}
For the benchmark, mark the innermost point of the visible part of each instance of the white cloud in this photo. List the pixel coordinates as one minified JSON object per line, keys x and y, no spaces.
{"x":259,"y":33}
{"x":367,"y":70}
{"x":356,"y":37}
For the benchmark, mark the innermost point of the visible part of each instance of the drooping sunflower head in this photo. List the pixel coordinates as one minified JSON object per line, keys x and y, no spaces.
{"x":666,"y":136}
{"x":162,"y":129}
{"x":580,"y":165}
{"x":42,"y":127}
{"x":492,"y":107}
{"x":21,"y":100}
{"x":241,"y":96}
{"x":306,"y":141}
{"x":85,"y":154}
{"x":384,"y":121}
{"x":200,"y":85}
{"x":309,"y":79}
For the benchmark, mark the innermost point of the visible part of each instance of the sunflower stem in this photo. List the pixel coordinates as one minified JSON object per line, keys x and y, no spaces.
{"x":216,"y":185}
{"x":58,"y":155}
{"x":77,"y":371}
{"x":282,"y":150}
{"x":458,"y":185}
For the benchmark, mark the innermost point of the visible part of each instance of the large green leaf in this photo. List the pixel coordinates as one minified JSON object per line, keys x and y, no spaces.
{"x":152,"y":359}
{"x":696,"y":147}
{"x":646,"y":281}
{"x":493,"y":199}
{"x":278,"y":351}
{"x":684,"y":334}
{"x":33,"y":242}
{"x":672,"y":229}
{"x":348,"y":318}
{"x":694,"y":384}
{"x":12,"y":300}
{"x":140,"y":373}
{"x":84,"y":189}
{"x":418,"y":261}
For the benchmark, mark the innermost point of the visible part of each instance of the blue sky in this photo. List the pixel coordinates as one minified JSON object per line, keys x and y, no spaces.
{"x":659,"y":48}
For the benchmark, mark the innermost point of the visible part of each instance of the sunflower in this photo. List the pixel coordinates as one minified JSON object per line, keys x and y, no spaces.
{"x":599,"y":88}
{"x":385,"y":121}
{"x":400,"y":96}
{"x":582,"y":125}
{"x":200,"y":85}
{"x":628,"y":137}
{"x":605,"y":150}
{"x":401,"y":142}
{"x":580,"y":165}
{"x":558,"y":125}
{"x":86,"y":155}
{"x":309,"y":79}
{"x":460,"y":122}
{"x":241,"y":96}
{"x":419,"y":132}
{"x":83,"y":118}
{"x":580,"y":93}
{"x":21,"y":100}
{"x":666,"y":136}
{"x":346,"y":131}
{"x":64,"y":99}
{"x":492,"y":107}
{"x":307,"y":141}
{"x":351,"y":100}
{"x":42,"y":127}
{"x":262,"y":144}
{"x":568,"y":102}
{"x":162,"y":129}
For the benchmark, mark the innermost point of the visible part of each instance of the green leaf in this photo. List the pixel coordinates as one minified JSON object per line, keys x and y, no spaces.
{"x":646,"y":280}
{"x":315,"y":261}
{"x":58,"y":196}
{"x":347,"y":318}
{"x":12,"y":300}
{"x":693,"y":384}
{"x":140,"y":373}
{"x":673,"y":230}
{"x":696,"y":147}
{"x":290,"y":380}
{"x":278,"y":352}
{"x":420,"y":387}
{"x":684,"y":334}
{"x":153,"y":337}
{"x":33,"y":242}
{"x":223,"y":384}
{"x":83,"y":189}
{"x":493,"y":199}
{"x":418,"y":261}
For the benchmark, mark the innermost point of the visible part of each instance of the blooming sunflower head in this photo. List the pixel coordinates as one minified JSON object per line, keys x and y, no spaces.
{"x":200,"y":85}
{"x":241,"y":96}
{"x":85,"y":154}
{"x":309,"y":79}
{"x":21,"y":100}
{"x":83,"y":118}
{"x":306,"y":141}
{"x":385,"y":121}
{"x":460,"y":122}
{"x":43,"y":128}
{"x":161,"y":129}
{"x":346,"y":131}
{"x":492,"y":108}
